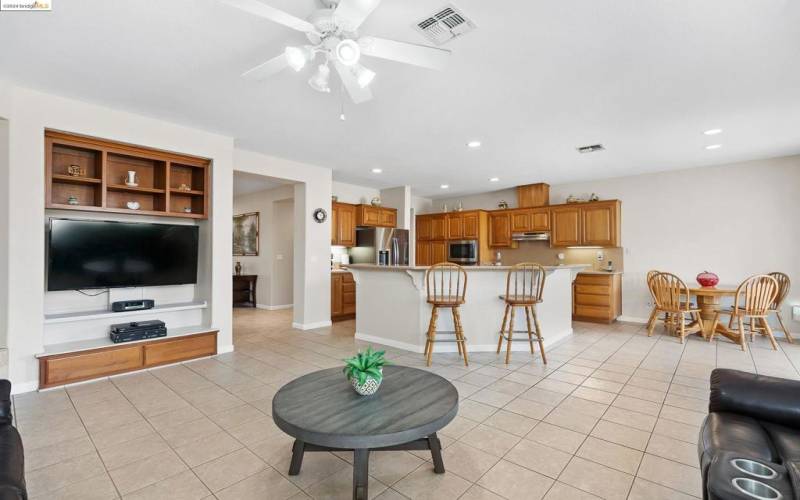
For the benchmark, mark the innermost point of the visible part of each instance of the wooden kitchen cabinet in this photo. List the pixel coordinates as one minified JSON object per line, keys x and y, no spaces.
{"x":500,"y":229}
{"x":530,"y":219}
{"x":423,"y":227}
{"x":600,"y":222}
{"x":431,"y":252}
{"x":595,"y":223}
{"x":463,"y":225}
{"x":423,"y":253}
{"x":343,"y":224}
{"x":343,"y":296}
{"x":597,"y":298}
{"x":372,"y":216}
{"x":438,"y":226}
{"x":438,"y":252}
{"x":533,"y":195}
{"x":565,"y":222}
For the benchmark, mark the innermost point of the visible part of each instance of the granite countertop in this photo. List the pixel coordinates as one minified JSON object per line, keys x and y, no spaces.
{"x":601,"y":272}
{"x":374,"y":267}
{"x":340,"y":270}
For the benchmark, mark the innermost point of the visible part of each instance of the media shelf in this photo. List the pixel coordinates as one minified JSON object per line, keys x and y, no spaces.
{"x":105,"y":313}
{"x":168,"y":184}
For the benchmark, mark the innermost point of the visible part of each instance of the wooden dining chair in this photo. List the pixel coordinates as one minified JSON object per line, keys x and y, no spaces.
{"x":753,"y":300}
{"x":654,"y":312}
{"x":524,"y":287}
{"x":672,"y":297}
{"x":784,"y":285}
{"x":446,"y":285}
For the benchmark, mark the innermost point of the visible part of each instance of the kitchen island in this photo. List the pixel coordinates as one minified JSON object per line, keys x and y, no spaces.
{"x":392,"y":309}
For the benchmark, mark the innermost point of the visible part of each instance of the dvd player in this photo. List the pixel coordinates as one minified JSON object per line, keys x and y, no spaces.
{"x":138,"y":330}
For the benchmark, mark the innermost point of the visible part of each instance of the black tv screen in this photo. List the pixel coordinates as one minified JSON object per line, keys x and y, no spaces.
{"x":99,"y":254}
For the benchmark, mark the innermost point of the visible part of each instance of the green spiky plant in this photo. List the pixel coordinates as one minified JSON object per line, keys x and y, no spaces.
{"x":365,"y":364}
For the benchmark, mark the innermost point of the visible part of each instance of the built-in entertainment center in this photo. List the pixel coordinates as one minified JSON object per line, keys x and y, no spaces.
{"x":127,"y":261}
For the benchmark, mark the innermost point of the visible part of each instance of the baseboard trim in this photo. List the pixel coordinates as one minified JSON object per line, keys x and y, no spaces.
{"x":632,"y":319}
{"x":311,"y":326}
{"x":268,"y":307}
{"x":447,"y":347}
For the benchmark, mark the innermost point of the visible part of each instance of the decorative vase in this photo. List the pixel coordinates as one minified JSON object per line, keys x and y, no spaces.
{"x":238,"y":268}
{"x":72,"y":200}
{"x":369,"y":387}
{"x":133,"y":205}
{"x":375,"y":202}
{"x":131,"y":179}
{"x":707,"y":279}
{"x":503,"y":205}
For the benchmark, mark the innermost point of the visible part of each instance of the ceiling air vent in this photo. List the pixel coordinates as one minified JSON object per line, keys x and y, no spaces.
{"x":447,"y":23}
{"x":591,"y":149}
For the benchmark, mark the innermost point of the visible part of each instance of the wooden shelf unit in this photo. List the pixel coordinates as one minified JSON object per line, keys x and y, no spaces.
{"x":105,"y":165}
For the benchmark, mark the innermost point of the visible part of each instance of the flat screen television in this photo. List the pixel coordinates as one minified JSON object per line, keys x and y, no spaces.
{"x":84,"y":254}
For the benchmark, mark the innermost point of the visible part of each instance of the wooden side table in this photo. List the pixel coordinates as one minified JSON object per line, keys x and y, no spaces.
{"x":244,"y":290}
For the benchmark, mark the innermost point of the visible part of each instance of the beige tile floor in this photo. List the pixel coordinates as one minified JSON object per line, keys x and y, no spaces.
{"x":615,"y":414}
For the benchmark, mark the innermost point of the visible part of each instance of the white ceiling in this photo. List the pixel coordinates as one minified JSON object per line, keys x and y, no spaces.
{"x":246,"y":183}
{"x":535,"y":80}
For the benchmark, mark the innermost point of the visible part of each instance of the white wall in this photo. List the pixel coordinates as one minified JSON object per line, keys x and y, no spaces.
{"x":4,"y":216}
{"x":29,"y":113}
{"x":352,"y":193}
{"x":312,"y":241}
{"x":276,"y":234}
{"x":735,"y":220}
{"x":399,"y":198}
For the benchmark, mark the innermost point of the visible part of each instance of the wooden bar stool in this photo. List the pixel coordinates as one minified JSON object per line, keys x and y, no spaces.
{"x":446,"y":285}
{"x":524,"y":287}
{"x":754,"y":298}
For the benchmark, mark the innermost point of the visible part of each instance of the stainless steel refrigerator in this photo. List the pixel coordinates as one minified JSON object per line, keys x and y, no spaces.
{"x":371,"y":241}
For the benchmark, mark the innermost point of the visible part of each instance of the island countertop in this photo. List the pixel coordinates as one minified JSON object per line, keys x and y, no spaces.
{"x":392,"y":307}
{"x":375,"y":267}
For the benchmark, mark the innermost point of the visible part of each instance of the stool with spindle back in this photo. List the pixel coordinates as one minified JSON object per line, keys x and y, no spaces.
{"x":446,"y":286}
{"x":524,"y":287}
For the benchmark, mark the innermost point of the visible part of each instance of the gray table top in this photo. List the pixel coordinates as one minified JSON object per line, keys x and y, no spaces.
{"x":322,"y":408}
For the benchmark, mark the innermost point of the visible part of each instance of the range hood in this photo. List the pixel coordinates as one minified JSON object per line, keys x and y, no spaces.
{"x":531,"y":236}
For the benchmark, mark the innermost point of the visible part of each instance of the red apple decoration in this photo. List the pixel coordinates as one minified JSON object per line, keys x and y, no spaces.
{"x":707,"y":279}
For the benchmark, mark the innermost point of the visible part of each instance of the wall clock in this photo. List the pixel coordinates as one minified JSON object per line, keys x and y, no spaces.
{"x":320,"y":215}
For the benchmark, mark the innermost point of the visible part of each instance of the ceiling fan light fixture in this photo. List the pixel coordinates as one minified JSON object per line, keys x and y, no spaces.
{"x":348,"y":52}
{"x":296,"y":57}
{"x":319,"y":81}
{"x":364,"y":76}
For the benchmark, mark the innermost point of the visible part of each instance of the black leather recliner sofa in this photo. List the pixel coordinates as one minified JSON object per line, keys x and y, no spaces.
{"x":12,"y":461}
{"x":753,"y":421}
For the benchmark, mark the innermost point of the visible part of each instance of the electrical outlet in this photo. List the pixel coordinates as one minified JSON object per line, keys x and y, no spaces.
{"x":279,"y":256}
{"x":600,"y":256}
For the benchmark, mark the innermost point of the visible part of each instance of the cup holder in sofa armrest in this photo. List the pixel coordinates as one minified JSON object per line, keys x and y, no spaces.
{"x":753,"y":468}
{"x":756,"y":489}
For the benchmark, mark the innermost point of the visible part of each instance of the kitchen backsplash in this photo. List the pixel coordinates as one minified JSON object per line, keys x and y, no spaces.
{"x":540,"y":251}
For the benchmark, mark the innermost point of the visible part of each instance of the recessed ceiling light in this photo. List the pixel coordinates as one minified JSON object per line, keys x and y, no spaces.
{"x":474,"y":144}
{"x":714,"y":146}
{"x":494,"y":179}
{"x":445,"y":186}
{"x":377,"y":170}
{"x":713,"y":131}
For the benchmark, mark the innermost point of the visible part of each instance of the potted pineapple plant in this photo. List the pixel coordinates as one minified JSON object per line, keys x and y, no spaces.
{"x":365,"y":371}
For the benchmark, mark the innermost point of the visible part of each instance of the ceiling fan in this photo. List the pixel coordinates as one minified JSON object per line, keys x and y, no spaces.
{"x":332,"y":32}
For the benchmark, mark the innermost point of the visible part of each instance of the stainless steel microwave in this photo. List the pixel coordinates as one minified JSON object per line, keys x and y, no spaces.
{"x":462,"y":251}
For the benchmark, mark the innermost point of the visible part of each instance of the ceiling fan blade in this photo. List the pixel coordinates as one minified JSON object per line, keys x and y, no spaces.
{"x":273,"y":14}
{"x":353,"y":12}
{"x":409,"y":53}
{"x":267,"y":69}
{"x":357,"y":94}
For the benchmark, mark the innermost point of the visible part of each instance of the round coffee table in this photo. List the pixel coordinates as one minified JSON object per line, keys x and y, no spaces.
{"x":323,"y":413}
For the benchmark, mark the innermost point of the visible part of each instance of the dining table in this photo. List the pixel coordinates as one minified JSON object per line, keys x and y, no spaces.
{"x":709,"y":300}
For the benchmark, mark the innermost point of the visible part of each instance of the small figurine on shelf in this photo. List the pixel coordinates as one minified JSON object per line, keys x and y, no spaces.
{"x":76,"y":171}
{"x":187,"y":210}
{"x":184,"y":187}
{"x":72,"y":200}
{"x":238,"y":268}
{"x":594,"y":197}
{"x":376,"y":201}
{"x":459,"y":207}
{"x":503,"y":205}
{"x":572,"y":199}
{"x":131,"y":180}
{"x":133,"y":205}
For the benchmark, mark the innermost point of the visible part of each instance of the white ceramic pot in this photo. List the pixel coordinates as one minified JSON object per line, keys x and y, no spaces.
{"x":369,"y":387}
